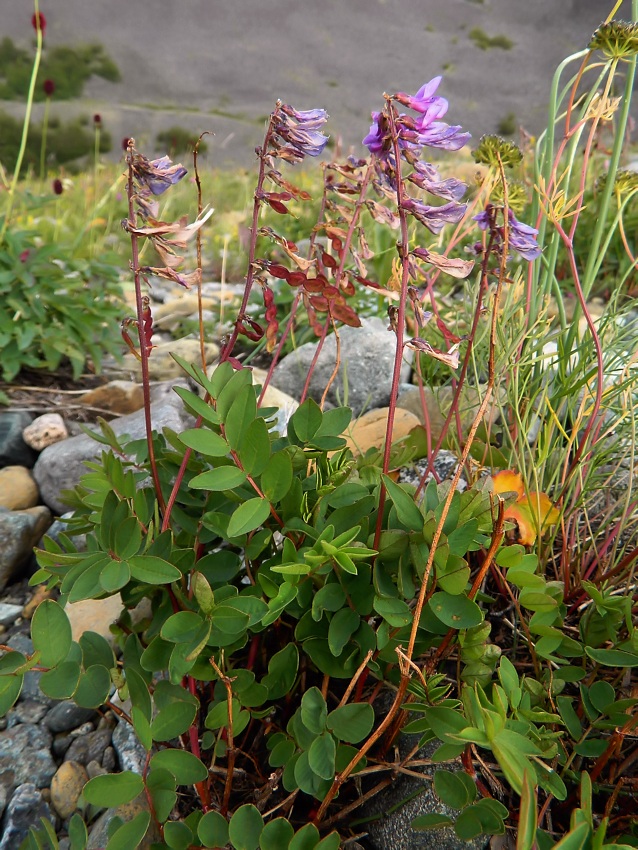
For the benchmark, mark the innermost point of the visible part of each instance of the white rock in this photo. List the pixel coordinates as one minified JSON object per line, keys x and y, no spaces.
{"x":44,"y":431}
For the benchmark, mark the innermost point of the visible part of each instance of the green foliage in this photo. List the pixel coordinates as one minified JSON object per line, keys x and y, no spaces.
{"x":177,"y":140}
{"x":68,"y":67}
{"x":54,"y":307}
{"x":487,"y":42}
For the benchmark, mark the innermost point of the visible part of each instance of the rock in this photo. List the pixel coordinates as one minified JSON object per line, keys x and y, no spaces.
{"x":130,"y":753}
{"x":19,"y":533}
{"x":98,"y":835}
{"x":369,"y":430}
{"x":25,"y":810}
{"x":169,"y":315}
{"x":117,"y":396}
{"x":89,"y":747}
{"x":25,"y":756}
{"x":445,"y":464}
{"x":40,"y":594}
{"x":61,"y":466}
{"x":94,"y":615}
{"x":66,"y":787}
{"x":27,"y":711}
{"x":44,"y":431}
{"x":18,"y":490}
{"x":109,"y":760}
{"x":66,"y":715}
{"x":9,"y":613}
{"x":13,"y":450}
{"x":367,"y":361}
{"x":94,"y":768}
{"x":161,"y":365}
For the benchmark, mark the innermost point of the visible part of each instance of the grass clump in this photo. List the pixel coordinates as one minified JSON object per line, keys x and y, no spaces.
{"x":486,"y":42}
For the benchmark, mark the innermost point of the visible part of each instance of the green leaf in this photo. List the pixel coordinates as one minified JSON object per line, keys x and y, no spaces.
{"x":93,"y":688}
{"x":330,"y":597}
{"x":277,"y":476}
{"x":450,"y":789}
{"x":276,"y":835}
{"x":130,"y":834}
{"x":197,"y":405}
{"x":78,"y":834}
{"x":248,"y":516}
{"x":527,"y":820}
{"x":306,"y":420}
{"x":113,"y":789}
{"x":321,"y":756}
{"x":212,"y":830}
{"x":204,"y":441}
{"x":254,"y":448}
{"x":394,"y":611}
{"x":96,"y":650}
{"x":153,"y":570}
{"x":351,"y":723}
{"x":408,"y":512}
{"x":10,"y":687}
{"x":332,"y":841}
{"x":282,"y":671}
{"x":456,"y":612}
{"x":342,"y":626}
{"x":245,"y":828}
{"x":242,"y":412}
{"x":431,"y":821}
{"x":61,"y":681}
{"x":173,"y":720}
{"x":51,"y":633}
{"x":182,"y":627}
{"x":115,"y":575}
{"x":305,"y":838}
{"x":468,"y":825}
{"x":314,"y":710}
{"x":177,"y":835}
{"x":576,"y":839}
{"x":138,"y":692}
{"x":142,"y":728}
{"x":445,"y":723}
{"x":221,"y":478}
{"x":185,"y":767}
{"x":612,"y":657}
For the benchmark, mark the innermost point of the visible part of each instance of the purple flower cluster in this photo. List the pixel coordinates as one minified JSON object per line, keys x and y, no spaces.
{"x":298,"y":132}
{"x":157,"y":175}
{"x":416,"y":133}
{"x":522,"y":237}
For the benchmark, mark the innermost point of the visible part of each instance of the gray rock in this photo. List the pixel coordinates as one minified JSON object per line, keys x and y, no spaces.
{"x":445,"y":464}
{"x":25,"y":809}
{"x":394,"y":830}
{"x":27,"y":711}
{"x":25,"y":756}
{"x":89,"y":747}
{"x":13,"y":450}
{"x":66,"y":715}
{"x":367,"y":360}
{"x":130,"y":753}
{"x":8,"y":613}
{"x":19,"y":533}
{"x":61,"y":465}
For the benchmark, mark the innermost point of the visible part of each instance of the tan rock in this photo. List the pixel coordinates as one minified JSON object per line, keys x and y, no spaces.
{"x":41,"y":593}
{"x":97,"y":615}
{"x":162,"y":366}
{"x":66,"y":787}
{"x":118,"y":396}
{"x":167,"y":316}
{"x":369,"y":430}
{"x":44,"y":431}
{"x":18,"y":489}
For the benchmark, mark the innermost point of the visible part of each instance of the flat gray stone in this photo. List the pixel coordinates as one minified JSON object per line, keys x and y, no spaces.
{"x":61,"y":465}
{"x":25,"y":809}
{"x":13,"y":450}
{"x":19,"y":533}
{"x":367,"y":361}
{"x":66,"y":715}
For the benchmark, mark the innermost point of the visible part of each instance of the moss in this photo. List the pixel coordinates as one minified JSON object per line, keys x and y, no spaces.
{"x":507,"y":125}
{"x":485,"y":42}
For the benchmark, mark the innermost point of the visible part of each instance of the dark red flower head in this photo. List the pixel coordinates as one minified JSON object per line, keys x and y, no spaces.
{"x":39,"y":22}
{"x":125,"y":143}
{"x":58,"y":188}
{"x":49,"y":87}
{"x":97,"y":118}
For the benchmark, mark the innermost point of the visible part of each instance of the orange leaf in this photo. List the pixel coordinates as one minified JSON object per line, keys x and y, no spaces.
{"x":508,"y":481}
{"x":520,"y":513}
{"x":541,"y":507}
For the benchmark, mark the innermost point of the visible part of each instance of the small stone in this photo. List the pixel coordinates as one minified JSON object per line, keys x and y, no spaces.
{"x":66,"y":715}
{"x":98,"y":835}
{"x":41,"y":593}
{"x":66,"y":787}
{"x":25,"y":753}
{"x":369,"y":430}
{"x":94,"y":768}
{"x":9,"y":613}
{"x":60,"y":745}
{"x":19,"y":533}
{"x":117,"y":396}
{"x":18,"y":490}
{"x":27,"y":711}
{"x":13,"y":450}
{"x":44,"y":431}
{"x":89,"y":747}
{"x":109,"y":760}
{"x":131,"y":754}
{"x":25,"y":810}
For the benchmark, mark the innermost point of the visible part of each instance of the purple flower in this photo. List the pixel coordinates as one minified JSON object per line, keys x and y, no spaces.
{"x":522,"y":238}
{"x":424,"y":101}
{"x":435,"y":218}
{"x":426,"y":176}
{"x":443,"y":136}
{"x":484,"y":218}
{"x":300,"y":132}
{"x":375,"y":139}
{"x":157,"y":175}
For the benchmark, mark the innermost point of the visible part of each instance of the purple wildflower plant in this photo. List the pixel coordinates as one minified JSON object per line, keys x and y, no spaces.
{"x":297,"y":133}
{"x":522,"y":237}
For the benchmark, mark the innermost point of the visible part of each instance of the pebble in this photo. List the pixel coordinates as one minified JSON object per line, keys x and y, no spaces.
{"x":130,"y":753}
{"x":369,"y":430}
{"x":120,"y":397}
{"x":25,"y":755}
{"x":66,"y":787}
{"x":9,"y":613}
{"x":94,"y":768}
{"x":25,"y":810}
{"x":19,"y":533}
{"x":89,"y":747}
{"x":66,"y":716}
{"x":27,"y":711}
{"x":18,"y":490}
{"x":44,"y":431}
